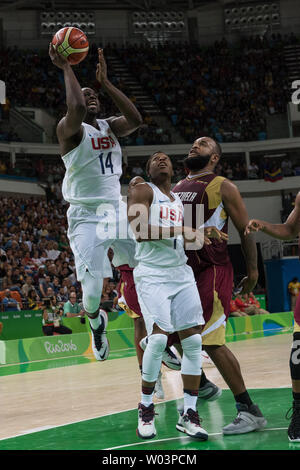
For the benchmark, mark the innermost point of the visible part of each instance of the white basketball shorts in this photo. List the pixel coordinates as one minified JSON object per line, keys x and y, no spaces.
{"x":90,"y":233}
{"x":168,"y":297}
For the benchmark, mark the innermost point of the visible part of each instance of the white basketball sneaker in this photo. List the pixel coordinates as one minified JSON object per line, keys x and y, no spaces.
{"x":146,"y":427}
{"x":158,"y":389}
{"x":189,"y":423}
{"x":100,"y":344}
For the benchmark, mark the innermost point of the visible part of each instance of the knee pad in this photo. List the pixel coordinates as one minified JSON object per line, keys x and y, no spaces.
{"x":91,"y":292}
{"x":295,"y":357}
{"x":152,"y":357}
{"x":191,"y":363}
{"x":157,"y":343}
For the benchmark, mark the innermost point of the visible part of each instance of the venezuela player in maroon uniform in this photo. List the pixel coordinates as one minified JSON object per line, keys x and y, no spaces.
{"x":220,"y":199}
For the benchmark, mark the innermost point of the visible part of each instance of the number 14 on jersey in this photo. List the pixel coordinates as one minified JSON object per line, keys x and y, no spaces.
{"x":106,"y":163}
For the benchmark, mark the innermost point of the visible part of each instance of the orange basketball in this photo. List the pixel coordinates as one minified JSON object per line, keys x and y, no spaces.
{"x":72,"y":43}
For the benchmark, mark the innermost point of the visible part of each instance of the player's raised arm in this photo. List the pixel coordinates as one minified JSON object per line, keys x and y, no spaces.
{"x":131,"y":119}
{"x":70,"y":124}
{"x":286,"y":231}
{"x":236,"y":210}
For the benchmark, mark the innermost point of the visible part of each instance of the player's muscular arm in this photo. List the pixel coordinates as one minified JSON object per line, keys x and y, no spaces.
{"x":70,"y":124}
{"x":287,"y":231}
{"x":139,"y":201}
{"x":236,"y":210}
{"x":131,"y":119}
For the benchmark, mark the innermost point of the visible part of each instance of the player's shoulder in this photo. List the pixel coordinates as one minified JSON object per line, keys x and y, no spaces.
{"x":140,"y":191}
{"x":227,"y":186}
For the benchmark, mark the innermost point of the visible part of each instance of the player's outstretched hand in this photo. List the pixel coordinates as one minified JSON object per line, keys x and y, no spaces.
{"x":57,"y":59}
{"x":213,"y":232}
{"x":253,"y":225}
{"x":101,"y":70}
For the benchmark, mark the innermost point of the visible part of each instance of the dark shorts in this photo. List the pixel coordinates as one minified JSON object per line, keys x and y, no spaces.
{"x":297,"y":316}
{"x":128,"y":299}
{"x":215,"y":289}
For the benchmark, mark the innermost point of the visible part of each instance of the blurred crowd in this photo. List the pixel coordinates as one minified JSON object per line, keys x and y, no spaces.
{"x":225,"y":90}
{"x":50,"y":173}
{"x":36,"y":262}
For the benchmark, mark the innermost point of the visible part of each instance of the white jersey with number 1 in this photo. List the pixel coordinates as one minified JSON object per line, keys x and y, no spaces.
{"x":94,"y":167}
{"x":168,"y":252}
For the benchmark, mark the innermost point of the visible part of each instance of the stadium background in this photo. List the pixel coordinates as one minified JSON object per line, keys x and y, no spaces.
{"x":219,"y":68}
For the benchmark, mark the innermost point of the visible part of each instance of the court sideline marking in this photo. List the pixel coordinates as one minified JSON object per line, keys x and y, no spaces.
{"x":181,"y":438}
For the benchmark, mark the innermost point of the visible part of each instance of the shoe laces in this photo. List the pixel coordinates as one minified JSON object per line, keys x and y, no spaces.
{"x":147,"y":413}
{"x":98,"y":337}
{"x":193,"y":416}
{"x":293,"y":413}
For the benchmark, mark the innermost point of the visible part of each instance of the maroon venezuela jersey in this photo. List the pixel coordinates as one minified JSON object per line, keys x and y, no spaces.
{"x":205,"y":188}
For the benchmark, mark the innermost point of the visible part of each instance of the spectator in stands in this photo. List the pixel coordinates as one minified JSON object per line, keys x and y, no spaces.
{"x":8,"y":303}
{"x":249,"y":304}
{"x":44,"y":283}
{"x":33,"y":300}
{"x":28,"y":286}
{"x":52,"y":318}
{"x":253,"y":170}
{"x":294,"y":288}
{"x":73,"y":309}
{"x":235,"y":310}
{"x":137,"y":170}
{"x":286,"y":166}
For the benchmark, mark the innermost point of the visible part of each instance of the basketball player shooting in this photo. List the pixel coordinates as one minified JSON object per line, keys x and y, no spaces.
{"x":93,"y":160}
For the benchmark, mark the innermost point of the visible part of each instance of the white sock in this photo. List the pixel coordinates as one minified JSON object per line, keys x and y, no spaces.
{"x":189,"y":401}
{"x":147,"y":400}
{"x":95,"y":322}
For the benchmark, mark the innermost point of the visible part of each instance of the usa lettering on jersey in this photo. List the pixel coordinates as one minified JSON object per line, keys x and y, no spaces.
{"x":173,"y":215}
{"x":103,"y":143}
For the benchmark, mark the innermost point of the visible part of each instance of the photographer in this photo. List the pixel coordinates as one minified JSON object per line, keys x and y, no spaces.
{"x":52,"y":317}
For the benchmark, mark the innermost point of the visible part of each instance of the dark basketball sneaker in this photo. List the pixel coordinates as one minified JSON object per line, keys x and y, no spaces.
{"x":209,"y":392}
{"x":249,"y":418}
{"x":100,"y":344}
{"x":189,"y":423}
{"x":146,"y":428}
{"x":294,"y":427}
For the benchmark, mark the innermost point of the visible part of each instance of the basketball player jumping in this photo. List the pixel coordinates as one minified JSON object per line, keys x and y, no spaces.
{"x":166,"y":290}
{"x":93,"y":159}
{"x":214,"y":274}
{"x":288,"y":231}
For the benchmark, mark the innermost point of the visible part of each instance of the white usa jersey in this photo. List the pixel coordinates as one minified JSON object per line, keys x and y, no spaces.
{"x":168,"y":252}
{"x":94,"y":167}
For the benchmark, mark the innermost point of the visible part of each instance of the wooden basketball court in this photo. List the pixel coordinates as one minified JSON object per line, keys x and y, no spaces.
{"x":58,"y":394}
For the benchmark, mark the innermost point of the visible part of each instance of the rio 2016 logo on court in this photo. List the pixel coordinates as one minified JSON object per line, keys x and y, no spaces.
{"x":59,"y":347}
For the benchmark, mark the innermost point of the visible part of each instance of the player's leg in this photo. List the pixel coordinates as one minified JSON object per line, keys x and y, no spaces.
{"x":187,"y":318}
{"x":92,"y":266}
{"x":294,"y":427}
{"x":63,"y":330}
{"x":155,"y":306}
{"x":128,"y":300}
{"x":91,"y":296}
{"x":250,"y":417}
